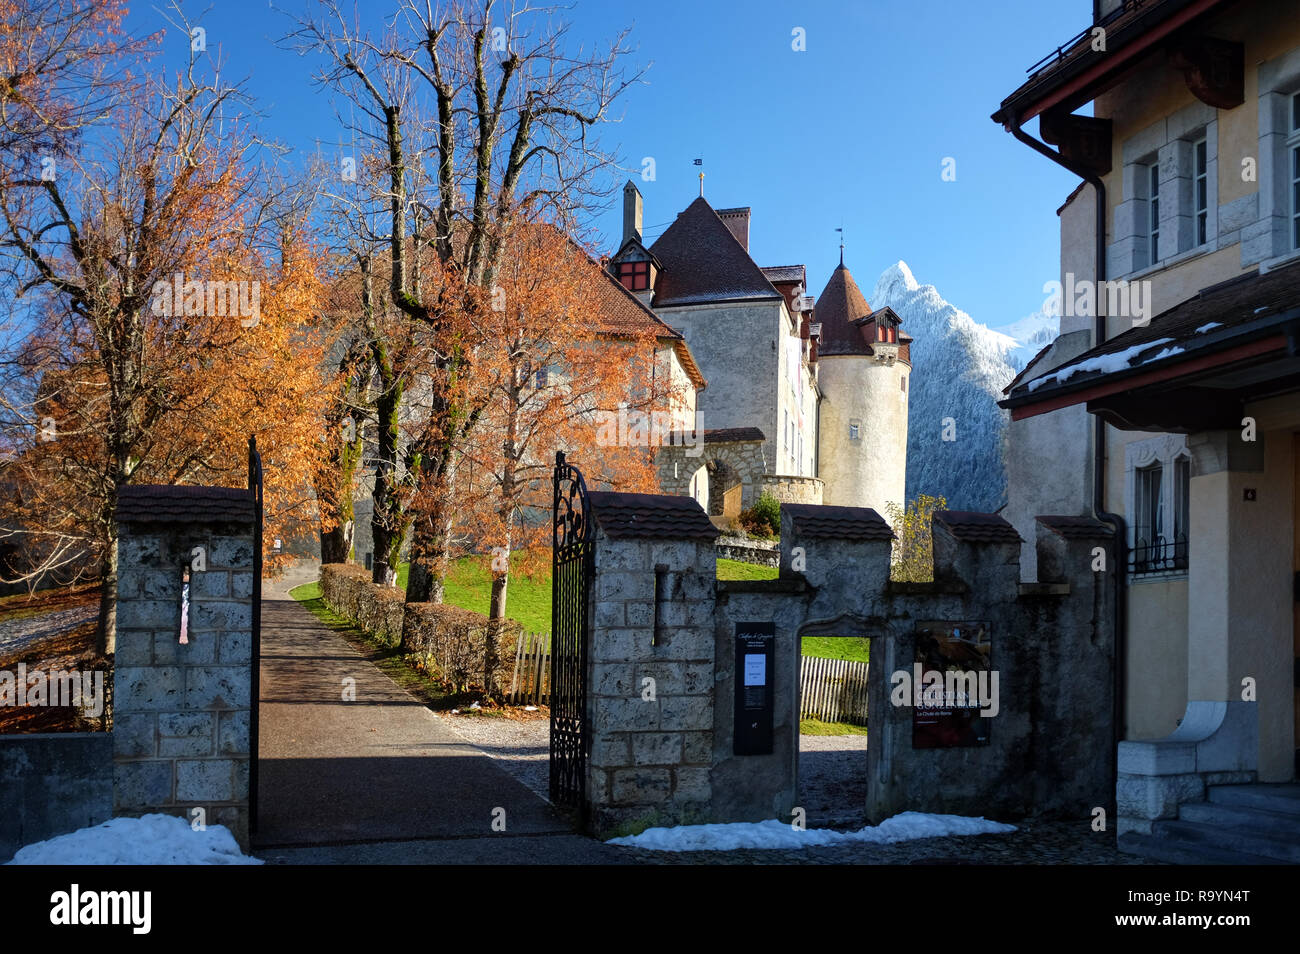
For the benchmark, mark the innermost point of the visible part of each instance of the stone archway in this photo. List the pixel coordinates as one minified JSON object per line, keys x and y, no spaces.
{"x":729,"y":462}
{"x":726,"y":488}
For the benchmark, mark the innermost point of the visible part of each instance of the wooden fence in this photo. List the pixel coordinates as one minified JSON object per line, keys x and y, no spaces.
{"x":833,"y":690}
{"x":531,"y":683}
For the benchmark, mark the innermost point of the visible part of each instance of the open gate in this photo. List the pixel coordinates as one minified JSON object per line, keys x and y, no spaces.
{"x":255,"y":691}
{"x":572,"y":569}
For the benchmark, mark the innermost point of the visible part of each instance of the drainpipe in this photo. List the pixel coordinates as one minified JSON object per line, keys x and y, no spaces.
{"x":1099,"y":510}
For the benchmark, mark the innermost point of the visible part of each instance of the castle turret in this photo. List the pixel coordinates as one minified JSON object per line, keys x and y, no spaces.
{"x":864,"y":364}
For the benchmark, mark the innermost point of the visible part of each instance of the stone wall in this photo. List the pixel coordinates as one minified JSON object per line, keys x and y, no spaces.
{"x":677,"y":464}
{"x":652,"y":742}
{"x":791,"y":489}
{"x":757,"y":552}
{"x":1049,"y":745}
{"x":181,"y":733}
{"x":51,"y":784}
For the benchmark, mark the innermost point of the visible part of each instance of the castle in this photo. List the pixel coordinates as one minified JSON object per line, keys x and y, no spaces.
{"x":807,"y":402}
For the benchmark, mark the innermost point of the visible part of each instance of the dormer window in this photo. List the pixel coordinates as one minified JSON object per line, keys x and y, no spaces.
{"x":886,"y":333}
{"x":634,"y":276}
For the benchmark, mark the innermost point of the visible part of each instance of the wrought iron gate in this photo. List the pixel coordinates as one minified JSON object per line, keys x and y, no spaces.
{"x":255,"y":690}
{"x":572,"y":568}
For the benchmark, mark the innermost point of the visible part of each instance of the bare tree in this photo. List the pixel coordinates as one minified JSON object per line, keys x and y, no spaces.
{"x":503,"y":109}
{"x":157,"y":189}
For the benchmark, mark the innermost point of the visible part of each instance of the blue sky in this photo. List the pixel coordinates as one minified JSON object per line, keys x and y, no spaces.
{"x":853,"y":130}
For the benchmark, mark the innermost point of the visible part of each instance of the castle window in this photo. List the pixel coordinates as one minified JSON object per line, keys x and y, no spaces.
{"x":855,"y":431}
{"x":1153,"y":206}
{"x":902,"y":383}
{"x":634,"y":276}
{"x":1201,"y":190}
{"x":1293,"y":147}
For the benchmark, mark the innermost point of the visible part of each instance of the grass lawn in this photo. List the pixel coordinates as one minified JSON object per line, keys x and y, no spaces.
{"x":836,"y":647}
{"x":469,"y":586}
{"x":738,"y":570}
{"x":818,"y":727}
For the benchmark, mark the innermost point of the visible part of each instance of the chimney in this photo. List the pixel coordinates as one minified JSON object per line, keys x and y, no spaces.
{"x":737,"y":221}
{"x":631,"y":212}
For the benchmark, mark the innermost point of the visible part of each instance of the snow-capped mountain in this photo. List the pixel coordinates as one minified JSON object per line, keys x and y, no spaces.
{"x":1033,"y":332}
{"x":959,"y":368}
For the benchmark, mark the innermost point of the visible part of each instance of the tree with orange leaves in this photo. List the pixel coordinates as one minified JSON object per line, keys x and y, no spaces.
{"x":564,"y":351}
{"x":164,"y":303}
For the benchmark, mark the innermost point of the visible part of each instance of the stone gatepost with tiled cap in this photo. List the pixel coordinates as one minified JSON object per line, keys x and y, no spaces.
{"x":182,"y":711}
{"x":651,"y":662}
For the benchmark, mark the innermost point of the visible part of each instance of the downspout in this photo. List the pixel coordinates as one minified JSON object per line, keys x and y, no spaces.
{"x":1099,"y":510}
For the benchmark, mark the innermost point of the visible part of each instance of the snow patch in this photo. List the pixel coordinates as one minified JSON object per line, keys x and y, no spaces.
{"x":148,"y":840}
{"x":773,"y":834}
{"x":1105,"y":363}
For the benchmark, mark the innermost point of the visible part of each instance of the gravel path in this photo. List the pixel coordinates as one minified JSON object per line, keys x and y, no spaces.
{"x":521,"y":746}
{"x":833,"y":780}
{"x":17,"y":634}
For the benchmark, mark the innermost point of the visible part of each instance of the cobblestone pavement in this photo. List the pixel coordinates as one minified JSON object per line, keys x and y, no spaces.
{"x":16,"y":634}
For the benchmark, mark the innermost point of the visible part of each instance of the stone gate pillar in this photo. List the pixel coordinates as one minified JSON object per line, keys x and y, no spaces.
{"x":181,"y":711}
{"x":651,"y":663}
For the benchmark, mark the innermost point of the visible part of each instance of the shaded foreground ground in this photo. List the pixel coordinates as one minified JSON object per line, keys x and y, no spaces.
{"x":383,"y":780}
{"x":380,"y":768}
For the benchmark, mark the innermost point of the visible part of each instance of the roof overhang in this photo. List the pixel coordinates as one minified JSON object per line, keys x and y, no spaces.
{"x":1203,"y":387}
{"x":1080,"y":73}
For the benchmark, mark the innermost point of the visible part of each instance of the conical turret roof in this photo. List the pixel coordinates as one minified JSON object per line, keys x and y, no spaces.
{"x":840,"y":304}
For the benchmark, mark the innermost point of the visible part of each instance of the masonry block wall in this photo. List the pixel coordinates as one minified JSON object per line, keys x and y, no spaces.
{"x":182,"y":712}
{"x":1050,"y":744}
{"x":650,"y":675}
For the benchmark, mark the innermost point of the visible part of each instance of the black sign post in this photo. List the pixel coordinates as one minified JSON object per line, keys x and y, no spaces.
{"x":755,"y":654}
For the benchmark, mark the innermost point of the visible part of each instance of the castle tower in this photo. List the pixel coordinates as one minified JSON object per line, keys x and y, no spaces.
{"x":864,"y":363}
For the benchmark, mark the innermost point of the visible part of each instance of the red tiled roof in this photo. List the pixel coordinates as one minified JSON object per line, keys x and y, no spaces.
{"x":840,"y":304}
{"x":655,"y":516}
{"x":1076,"y":528}
{"x":972,"y":527}
{"x":157,"y":503}
{"x":703,"y":262}
{"x":621,"y":312}
{"x":816,"y":521}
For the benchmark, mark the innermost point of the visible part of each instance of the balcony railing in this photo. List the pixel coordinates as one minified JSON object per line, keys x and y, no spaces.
{"x":1162,"y":556}
{"x":1065,"y":48}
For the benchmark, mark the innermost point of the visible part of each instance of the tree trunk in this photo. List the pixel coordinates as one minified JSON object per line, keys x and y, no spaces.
{"x":336,"y":544}
{"x":386,"y":516}
{"x":431,"y":548}
{"x":106,"y":632}
{"x":496,"y":623}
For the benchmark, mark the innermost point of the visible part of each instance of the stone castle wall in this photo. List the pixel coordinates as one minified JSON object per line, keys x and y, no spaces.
{"x":669,"y":758}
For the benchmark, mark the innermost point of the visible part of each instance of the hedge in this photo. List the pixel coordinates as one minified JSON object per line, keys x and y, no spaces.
{"x":446,"y":638}
{"x":347,"y":590}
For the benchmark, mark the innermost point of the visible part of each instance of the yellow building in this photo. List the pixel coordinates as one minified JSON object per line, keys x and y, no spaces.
{"x":1180,"y":339}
